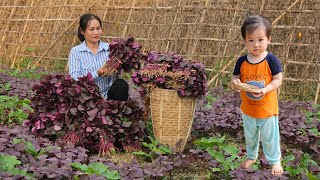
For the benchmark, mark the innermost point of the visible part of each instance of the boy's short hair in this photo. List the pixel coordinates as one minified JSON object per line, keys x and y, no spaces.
{"x":119,"y":90}
{"x":252,"y":22}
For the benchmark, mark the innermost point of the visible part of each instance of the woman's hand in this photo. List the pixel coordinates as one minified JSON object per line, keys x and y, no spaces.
{"x":100,"y":72}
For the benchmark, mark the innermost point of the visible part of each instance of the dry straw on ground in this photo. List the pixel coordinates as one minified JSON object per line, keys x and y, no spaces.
{"x":41,"y":33}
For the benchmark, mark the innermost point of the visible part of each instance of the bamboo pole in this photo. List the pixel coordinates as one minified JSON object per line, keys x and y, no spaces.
{"x":75,"y":37}
{"x":229,"y":35}
{"x":182,"y":38}
{"x":195,"y":44}
{"x":8,"y":23}
{"x":1,"y":12}
{"x":173,"y":23}
{"x":42,"y":19}
{"x":288,"y":50}
{"x":209,"y":8}
{"x":105,"y":13}
{"x":2,"y":9}
{"x":21,"y":37}
{"x":69,"y":5}
{"x":301,"y":80}
{"x":152,"y":21}
{"x":284,"y":79}
{"x":262,"y":6}
{"x":51,"y":57}
{"x":304,"y":63}
{"x":310,"y":27}
{"x":318,"y":86}
{"x":221,"y":40}
{"x":106,"y":10}
{"x":56,"y":29}
{"x":128,"y":19}
{"x":243,"y":50}
{"x":41,"y":27}
{"x":285,"y":12}
{"x":317,"y":92}
{"x":54,"y":42}
{"x":190,"y":23}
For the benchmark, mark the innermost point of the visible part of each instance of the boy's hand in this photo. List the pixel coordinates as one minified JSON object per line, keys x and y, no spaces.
{"x":236,"y":81}
{"x":263,"y":91}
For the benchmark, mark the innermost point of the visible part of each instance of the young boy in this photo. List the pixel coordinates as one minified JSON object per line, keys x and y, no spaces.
{"x":259,"y":110}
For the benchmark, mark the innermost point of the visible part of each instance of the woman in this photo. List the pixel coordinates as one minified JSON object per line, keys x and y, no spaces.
{"x":91,"y":54}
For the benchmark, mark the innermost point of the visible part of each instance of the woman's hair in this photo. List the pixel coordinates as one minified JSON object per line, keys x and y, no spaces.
{"x":84,"y":22}
{"x":252,"y":22}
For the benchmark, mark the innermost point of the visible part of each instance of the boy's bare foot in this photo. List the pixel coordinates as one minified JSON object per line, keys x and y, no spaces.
{"x":276,"y":169}
{"x":247,"y":163}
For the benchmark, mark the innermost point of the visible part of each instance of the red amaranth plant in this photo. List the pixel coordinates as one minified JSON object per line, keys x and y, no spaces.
{"x":123,"y":55}
{"x":171,"y":71}
{"x":73,"y":111}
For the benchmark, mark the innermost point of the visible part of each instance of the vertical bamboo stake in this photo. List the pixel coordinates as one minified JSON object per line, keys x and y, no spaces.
{"x":55,"y":29}
{"x":42,"y":26}
{"x":75,"y":37}
{"x":106,"y":10}
{"x":105,"y":14}
{"x":23,"y":33}
{"x":317,"y":92}
{"x":262,"y":6}
{"x":8,"y":23}
{"x":199,"y":29}
{"x":287,"y":54}
{"x":173,"y":23}
{"x":2,"y":9}
{"x":152,"y":21}
{"x":43,"y":23}
{"x":73,"y":42}
{"x":318,"y":87}
{"x":229,"y":34}
{"x":128,"y":19}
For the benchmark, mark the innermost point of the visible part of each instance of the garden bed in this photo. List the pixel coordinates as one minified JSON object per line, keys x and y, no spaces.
{"x":214,"y":149}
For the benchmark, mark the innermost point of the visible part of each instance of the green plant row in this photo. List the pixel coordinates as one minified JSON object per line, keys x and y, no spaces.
{"x":14,"y":110}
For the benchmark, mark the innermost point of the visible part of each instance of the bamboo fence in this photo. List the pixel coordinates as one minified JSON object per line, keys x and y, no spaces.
{"x":40,"y":33}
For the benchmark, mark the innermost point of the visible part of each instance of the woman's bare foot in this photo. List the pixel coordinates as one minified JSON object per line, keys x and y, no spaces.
{"x":247,"y":163}
{"x":276,"y":169}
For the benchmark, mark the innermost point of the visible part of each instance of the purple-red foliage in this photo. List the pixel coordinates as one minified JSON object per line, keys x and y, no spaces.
{"x":53,"y":164}
{"x":193,"y":83}
{"x":73,"y":111}
{"x":20,"y":87}
{"x":124,"y":55}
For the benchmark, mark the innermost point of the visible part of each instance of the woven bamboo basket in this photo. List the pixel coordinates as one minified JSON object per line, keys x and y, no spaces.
{"x":172,"y":117}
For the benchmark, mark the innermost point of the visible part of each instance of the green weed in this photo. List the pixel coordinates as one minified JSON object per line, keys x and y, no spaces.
{"x":96,"y":168}
{"x":13,"y":109}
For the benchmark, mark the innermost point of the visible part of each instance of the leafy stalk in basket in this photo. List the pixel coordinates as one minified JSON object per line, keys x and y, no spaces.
{"x":171,"y":71}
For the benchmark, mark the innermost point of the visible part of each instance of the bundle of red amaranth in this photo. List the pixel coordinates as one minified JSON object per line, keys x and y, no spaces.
{"x":123,"y":55}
